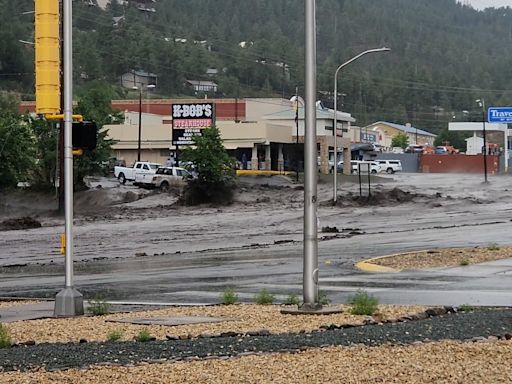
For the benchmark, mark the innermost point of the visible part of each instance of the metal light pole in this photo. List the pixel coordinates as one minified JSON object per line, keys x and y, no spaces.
{"x":481,"y":103}
{"x":68,"y":302}
{"x":310,"y":272}
{"x":140,"y":116}
{"x":310,"y":303}
{"x":335,"y":182}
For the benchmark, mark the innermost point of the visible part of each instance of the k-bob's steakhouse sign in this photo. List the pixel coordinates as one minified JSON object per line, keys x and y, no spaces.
{"x":189,"y":120}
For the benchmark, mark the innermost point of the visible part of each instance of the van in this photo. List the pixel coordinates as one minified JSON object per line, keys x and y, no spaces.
{"x":390,"y":166}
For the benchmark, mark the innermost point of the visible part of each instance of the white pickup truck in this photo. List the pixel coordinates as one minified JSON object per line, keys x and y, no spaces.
{"x":141,"y":173}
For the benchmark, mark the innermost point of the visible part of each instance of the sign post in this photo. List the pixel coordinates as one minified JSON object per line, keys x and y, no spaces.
{"x":189,"y":120}
{"x":501,"y":115}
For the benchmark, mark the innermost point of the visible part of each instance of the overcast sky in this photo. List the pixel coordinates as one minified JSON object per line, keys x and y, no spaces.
{"x":481,"y":4}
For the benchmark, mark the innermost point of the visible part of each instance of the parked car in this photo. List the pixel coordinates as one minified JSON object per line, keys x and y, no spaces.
{"x":390,"y":166}
{"x":167,"y":177}
{"x":363,"y":165}
{"x":414,"y":149}
{"x":140,"y":172}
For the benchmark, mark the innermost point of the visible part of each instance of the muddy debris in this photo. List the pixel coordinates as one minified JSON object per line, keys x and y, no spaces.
{"x":21,"y":223}
{"x":393,"y":196}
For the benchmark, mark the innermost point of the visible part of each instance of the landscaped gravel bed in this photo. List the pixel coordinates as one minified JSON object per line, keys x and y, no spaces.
{"x":450,"y":257}
{"x":249,"y":318}
{"x":459,"y":326}
{"x":441,"y":363}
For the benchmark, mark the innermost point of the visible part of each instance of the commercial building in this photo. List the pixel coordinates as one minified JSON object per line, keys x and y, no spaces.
{"x":381,"y":133}
{"x":259,"y":133}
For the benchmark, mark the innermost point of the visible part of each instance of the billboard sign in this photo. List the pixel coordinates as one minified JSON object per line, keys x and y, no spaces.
{"x":499,"y":115}
{"x":188,"y":120}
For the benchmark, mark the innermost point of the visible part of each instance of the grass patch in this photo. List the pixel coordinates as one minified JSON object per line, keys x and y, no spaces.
{"x":98,"y":306}
{"x":264,"y":297}
{"x":363,"y":303}
{"x":144,"y":336}
{"x":5,"y":337}
{"x":229,"y":296}
{"x":114,"y":335}
{"x":292,"y":299}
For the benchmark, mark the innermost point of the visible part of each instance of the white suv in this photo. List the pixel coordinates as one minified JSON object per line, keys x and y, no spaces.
{"x":365,"y":166}
{"x":390,"y":166}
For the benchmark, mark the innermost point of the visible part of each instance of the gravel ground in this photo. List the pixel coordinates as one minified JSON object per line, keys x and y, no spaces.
{"x":443,"y":362}
{"x":458,"y":326}
{"x":450,"y":257}
{"x":249,"y":318}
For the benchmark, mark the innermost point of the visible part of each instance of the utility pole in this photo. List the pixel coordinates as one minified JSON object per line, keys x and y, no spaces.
{"x":481,"y":103}
{"x":297,"y":157}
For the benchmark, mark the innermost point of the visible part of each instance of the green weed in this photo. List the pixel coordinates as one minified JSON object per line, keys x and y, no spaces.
{"x":292,"y":300}
{"x":323,"y":299}
{"x":5,"y":337}
{"x":229,"y":296}
{"x":98,"y":306}
{"x":264,"y":297}
{"x":114,"y":335}
{"x":363,"y":303}
{"x":144,"y":336}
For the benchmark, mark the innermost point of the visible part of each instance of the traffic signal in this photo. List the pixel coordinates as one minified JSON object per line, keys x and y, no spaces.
{"x":85,"y":135}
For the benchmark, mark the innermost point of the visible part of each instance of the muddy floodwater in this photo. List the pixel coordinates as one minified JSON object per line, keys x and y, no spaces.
{"x":138,"y":245}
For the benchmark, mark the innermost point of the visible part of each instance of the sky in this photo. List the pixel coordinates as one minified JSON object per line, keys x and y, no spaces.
{"x":481,"y":4}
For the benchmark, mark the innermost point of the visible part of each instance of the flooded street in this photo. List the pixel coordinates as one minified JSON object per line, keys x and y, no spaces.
{"x":147,"y":248}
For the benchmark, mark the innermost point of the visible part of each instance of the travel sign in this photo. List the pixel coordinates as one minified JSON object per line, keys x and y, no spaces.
{"x":499,"y":115}
{"x":188,"y":120}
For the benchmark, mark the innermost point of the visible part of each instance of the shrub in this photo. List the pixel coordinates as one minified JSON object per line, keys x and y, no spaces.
{"x":114,"y":335}
{"x":493,"y":247}
{"x":363,"y":303}
{"x":5,"y":338}
{"x":264,"y":297}
{"x":229,"y":296}
{"x":215,"y":182}
{"x":323,"y":299}
{"x":144,"y":336}
{"x":292,"y":300}
{"x":98,"y":306}
{"x":464,"y":262}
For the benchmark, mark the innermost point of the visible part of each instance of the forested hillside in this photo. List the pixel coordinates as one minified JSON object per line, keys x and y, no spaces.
{"x":443,"y":57}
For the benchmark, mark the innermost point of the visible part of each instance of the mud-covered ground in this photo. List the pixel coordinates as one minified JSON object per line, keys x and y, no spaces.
{"x":130,"y":242}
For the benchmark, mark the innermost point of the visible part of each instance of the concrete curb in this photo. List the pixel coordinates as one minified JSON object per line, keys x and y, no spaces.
{"x":369,"y":266}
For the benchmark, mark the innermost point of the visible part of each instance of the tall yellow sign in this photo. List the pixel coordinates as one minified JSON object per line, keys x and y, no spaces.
{"x":47,"y":39}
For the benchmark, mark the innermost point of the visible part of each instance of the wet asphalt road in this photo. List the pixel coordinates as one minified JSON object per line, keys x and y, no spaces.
{"x":192,"y":257}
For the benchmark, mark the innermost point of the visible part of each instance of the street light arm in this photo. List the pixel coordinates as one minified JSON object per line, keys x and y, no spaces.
{"x":335,"y":119}
{"x":384,"y":49}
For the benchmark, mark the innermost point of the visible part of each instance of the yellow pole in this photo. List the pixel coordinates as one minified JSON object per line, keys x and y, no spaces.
{"x":47,"y":60}
{"x":62,"y":244}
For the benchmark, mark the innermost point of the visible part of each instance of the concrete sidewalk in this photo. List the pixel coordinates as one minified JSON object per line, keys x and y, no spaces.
{"x":27,"y":312}
{"x":42,"y":310}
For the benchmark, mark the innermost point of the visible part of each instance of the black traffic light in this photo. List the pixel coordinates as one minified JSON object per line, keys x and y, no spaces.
{"x":85,"y":135}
